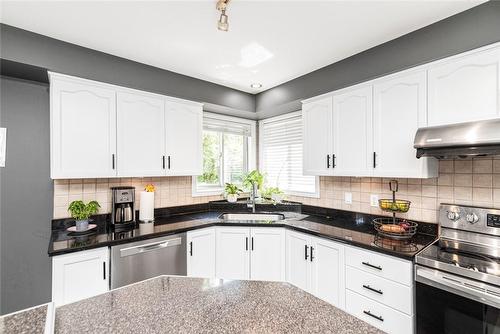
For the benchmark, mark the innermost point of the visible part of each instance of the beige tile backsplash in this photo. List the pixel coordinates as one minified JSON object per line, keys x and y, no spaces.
{"x":470,"y":182}
{"x":170,"y":191}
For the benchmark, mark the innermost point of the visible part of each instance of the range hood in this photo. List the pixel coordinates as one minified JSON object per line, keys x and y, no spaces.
{"x":479,"y":138}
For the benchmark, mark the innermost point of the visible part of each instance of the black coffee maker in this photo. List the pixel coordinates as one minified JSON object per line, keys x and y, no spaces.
{"x":122,"y":209}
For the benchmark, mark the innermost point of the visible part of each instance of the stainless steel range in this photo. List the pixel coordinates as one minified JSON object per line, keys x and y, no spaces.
{"x":458,"y":277}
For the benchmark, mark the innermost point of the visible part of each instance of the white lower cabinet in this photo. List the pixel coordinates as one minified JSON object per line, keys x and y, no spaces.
{"x":383,"y":317}
{"x":380,"y":290}
{"x":201,"y":253}
{"x":80,"y":275}
{"x":316,"y":265}
{"x":250,"y":253}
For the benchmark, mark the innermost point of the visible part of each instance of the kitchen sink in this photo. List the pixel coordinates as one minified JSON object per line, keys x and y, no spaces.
{"x":252,"y":216}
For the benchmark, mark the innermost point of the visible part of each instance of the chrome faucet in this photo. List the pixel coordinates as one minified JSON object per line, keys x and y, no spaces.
{"x":253,"y":195}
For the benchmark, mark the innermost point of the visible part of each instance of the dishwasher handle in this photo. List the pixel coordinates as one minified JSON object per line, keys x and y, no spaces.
{"x":149,"y":247}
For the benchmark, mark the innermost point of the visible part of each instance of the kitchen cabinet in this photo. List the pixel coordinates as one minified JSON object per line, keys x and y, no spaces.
{"x":317,"y":123}
{"x":232,"y":253}
{"x":316,"y":265}
{"x":82,"y":129}
{"x":465,"y":88}
{"x":184,"y":128}
{"x":80,"y":275}
{"x":102,"y":130}
{"x":352,"y":131}
{"x":267,"y":254}
{"x":399,"y":109}
{"x":201,"y":253}
{"x":250,"y":253}
{"x":140,"y":135}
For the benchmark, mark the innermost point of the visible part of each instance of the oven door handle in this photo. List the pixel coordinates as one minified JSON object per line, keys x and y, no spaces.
{"x":481,"y":292}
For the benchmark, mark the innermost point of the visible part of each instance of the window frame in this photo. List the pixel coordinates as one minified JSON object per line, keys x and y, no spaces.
{"x":249,"y":149}
{"x":294,"y":114}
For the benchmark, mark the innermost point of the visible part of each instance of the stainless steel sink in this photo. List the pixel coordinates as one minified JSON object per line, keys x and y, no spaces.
{"x":252,"y":216}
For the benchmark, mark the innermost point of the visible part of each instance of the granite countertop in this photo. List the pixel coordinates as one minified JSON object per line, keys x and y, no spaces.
{"x":169,"y":304}
{"x":30,"y":321}
{"x":348,"y":227}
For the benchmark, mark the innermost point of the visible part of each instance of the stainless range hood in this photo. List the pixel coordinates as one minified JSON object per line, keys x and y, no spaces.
{"x":462,"y":140}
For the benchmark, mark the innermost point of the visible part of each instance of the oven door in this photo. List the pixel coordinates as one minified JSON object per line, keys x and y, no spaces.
{"x":447,"y":303}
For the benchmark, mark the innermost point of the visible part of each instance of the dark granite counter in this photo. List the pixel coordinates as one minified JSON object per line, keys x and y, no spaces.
{"x":348,"y":227}
{"x":31,"y":321}
{"x":195,"y":305}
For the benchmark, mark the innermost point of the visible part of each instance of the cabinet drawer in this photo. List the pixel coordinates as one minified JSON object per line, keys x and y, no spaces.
{"x":381,"y":265}
{"x":392,"y":294}
{"x":378,"y":315}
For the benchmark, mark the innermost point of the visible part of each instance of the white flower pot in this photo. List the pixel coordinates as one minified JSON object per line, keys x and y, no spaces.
{"x":82,"y":225}
{"x":232,"y":198}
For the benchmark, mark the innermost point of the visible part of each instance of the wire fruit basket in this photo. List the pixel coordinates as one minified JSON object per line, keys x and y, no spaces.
{"x":395,"y":228}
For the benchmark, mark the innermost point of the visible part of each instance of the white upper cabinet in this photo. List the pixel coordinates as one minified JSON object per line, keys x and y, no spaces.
{"x":184,"y":123}
{"x":465,"y":88}
{"x":267,"y":254}
{"x":140,"y":135}
{"x":102,"y":130}
{"x":83,"y":130}
{"x":317,"y":137}
{"x":352,"y":131}
{"x":399,"y":109}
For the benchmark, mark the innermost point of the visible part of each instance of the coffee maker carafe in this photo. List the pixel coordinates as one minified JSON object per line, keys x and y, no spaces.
{"x":122,"y":210}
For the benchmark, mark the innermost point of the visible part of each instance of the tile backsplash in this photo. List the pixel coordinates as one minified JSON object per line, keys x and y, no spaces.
{"x":469,"y":182}
{"x":170,"y":191}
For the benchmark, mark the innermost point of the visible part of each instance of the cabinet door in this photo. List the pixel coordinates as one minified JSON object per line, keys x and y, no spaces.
{"x":399,"y":109}
{"x":232,"y":253}
{"x":184,"y":124}
{"x":327,"y":271}
{"x":352,"y":132}
{"x":79,"y":275}
{"x":140,"y":135}
{"x":267,"y":256}
{"x":83,"y":130}
{"x":297,"y":260}
{"x":317,"y":137}
{"x":465,"y":89}
{"x":201,"y":253}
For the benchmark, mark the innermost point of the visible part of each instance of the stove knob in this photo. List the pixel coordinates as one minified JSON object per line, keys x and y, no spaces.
{"x":452,"y":215}
{"x":472,"y":218}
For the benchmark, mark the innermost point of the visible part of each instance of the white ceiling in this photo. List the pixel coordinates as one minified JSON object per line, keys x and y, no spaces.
{"x":268,"y":42}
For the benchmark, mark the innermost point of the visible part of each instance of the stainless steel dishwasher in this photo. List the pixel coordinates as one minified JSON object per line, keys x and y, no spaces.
{"x":137,"y":261}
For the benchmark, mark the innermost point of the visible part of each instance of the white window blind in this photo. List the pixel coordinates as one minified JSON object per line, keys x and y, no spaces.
{"x":281,"y":155}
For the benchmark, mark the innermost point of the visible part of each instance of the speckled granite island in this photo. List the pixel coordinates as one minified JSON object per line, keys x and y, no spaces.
{"x":194,"y":305}
{"x":30,"y":321}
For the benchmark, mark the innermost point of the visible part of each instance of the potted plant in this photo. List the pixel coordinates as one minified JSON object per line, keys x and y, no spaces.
{"x":81,"y":213}
{"x":232,"y":191}
{"x":254,"y":177}
{"x":274,"y":193}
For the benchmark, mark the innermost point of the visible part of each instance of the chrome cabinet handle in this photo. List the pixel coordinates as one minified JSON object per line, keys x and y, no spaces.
{"x":371,"y":265}
{"x":378,"y":317}
{"x":372,"y":289}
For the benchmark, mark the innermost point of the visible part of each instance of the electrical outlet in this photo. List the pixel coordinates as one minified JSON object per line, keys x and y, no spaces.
{"x":348,"y":198}
{"x":374,"y":200}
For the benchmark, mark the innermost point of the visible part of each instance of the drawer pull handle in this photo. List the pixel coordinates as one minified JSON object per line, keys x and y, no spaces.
{"x":373,"y":315}
{"x":372,"y":266}
{"x":372,"y":289}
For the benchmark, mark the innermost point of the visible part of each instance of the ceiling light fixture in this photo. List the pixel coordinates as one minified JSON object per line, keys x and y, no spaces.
{"x":222,"y":24}
{"x":256,"y":85}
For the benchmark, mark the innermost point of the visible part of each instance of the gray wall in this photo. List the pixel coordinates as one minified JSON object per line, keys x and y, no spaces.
{"x":25,"y":47}
{"x":476,"y":27}
{"x":26,"y":196}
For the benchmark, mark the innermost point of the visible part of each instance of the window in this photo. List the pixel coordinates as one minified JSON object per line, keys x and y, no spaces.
{"x":281,"y":155}
{"x":228,"y":150}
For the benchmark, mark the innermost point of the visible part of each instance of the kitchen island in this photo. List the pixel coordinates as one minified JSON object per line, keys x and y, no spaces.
{"x":169,"y":304}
